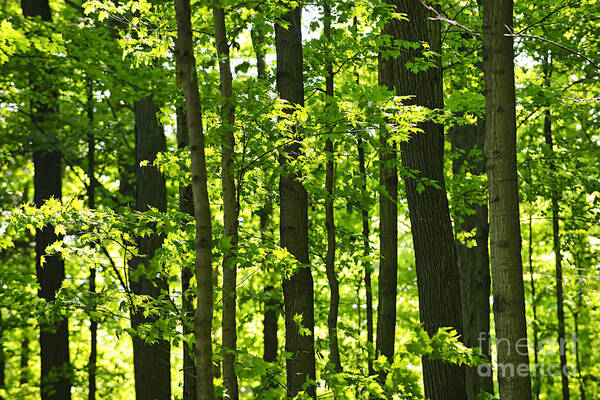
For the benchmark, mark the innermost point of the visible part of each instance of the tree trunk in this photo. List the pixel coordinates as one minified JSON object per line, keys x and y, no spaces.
{"x":555,"y":198}
{"x":2,"y":356}
{"x":54,"y":337}
{"x":474,"y":265}
{"x":204,"y":307}
{"x":91,"y":193}
{"x":536,"y":378}
{"x":24,"y":361}
{"x":438,"y":277}
{"x":514,"y":381}
{"x":152,"y":365}
{"x":388,"y":228}
{"x":334,"y":297}
{"x":293,"y":229}
{"x":186,"y":205}
{"x":230,"y":206}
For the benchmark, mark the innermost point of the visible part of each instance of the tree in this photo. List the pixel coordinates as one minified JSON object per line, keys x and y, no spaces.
{"x":204,"y":306}
{"x":55,"y":379}
{"x":293,"y":216}
{"x":505,"y":235}
{"x":230,"y":205}
{"x":151,"y":360}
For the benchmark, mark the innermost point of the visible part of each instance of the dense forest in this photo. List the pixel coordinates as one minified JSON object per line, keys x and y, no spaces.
{"x":270,"y":199}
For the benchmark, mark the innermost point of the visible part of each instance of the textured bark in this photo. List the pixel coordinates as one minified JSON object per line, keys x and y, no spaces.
{"x":55,"y":374}
{"x":388,"y":228}
{"x":556,"y":246}
{"x":366,"y":252}
{"x":230,"y":206}
{"x":505,"y":234}
{"x":186,"y":205}
{"x":334,"y":287}
{"x":536,"y":377}
{"x":204,"y":308}
{"x":293,"y":228}
{"x":151,"y":361}
{"x":474,"y":264}
{"x":91,"y":193}
{"x":438,"y":278}
{"x":258,"y":43}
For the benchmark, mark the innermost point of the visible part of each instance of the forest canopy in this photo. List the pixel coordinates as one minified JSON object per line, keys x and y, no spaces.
{"x":370,"y":199}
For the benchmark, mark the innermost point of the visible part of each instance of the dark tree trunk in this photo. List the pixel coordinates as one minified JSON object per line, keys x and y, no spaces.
{"x":536,"y":378}
{"x":293,"y":229}
{"x":555,"y":198}
{"x":366,"y":252}
{"x":230,"y":207}
{"x":388,"y":227}
{"x":438,"y":277}
{"x":474,"y":265}
{"x":334,"y":297}
{"x":54,"y":337}
{"x":24,"y":362}
{"x":186,"y":205}
{"x":152,"y":365}
{"x":505,"y":234}
{"x":204,"y":307}
{"x":91,"y":193}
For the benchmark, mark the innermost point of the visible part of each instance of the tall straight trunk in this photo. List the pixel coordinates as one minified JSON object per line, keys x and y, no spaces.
{"x":514,"y":381}
{"x":230,"y":206}
{"x":438,"y":277}
{"x":388,"y":228}
{"x":24,"y":362}
{"x":366,"y":252}
{"x":293,"y":219}
{"x":186,"y":63}
{"x":474,"y":265}
{"x":91,"y":193}
{"x":334,"y":288}
{"x":258,"y":43}
{"x":186,"y":205}
{"x":536,"y":378}
{"x":152,"y":367}
{"x":556,"y":245}
{"x":55,"y":376}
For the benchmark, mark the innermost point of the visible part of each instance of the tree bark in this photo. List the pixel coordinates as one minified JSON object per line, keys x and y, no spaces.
{"x":55,"y":375}
{"x":474,"y":264}
{"x":334,"y":297}
{"x":298,"y":289}
{"x":151,"y":361}
{"x":24,"y":361}
{"x":505,"y":234}
{"x":204,"y":307}
{"x":438,"y":277}
{"x":230,"y":206}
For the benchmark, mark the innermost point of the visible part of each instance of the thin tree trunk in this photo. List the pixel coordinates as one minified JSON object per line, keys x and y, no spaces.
{"x":204,"y":307}
{"x":186,"y":205}
{"x":230,"y":206}
{"x":152,"y":365}
{"x":334,"y":297}
{"x":514,"y":380}
{"x":54,"y":339}
{"x":474,"y":265}
{"x":272,"y":304}
{"x":24,"y":362}
{"x":388,"y":229}
{"x":91,"y":193}
{"x":367,"y":253}
{"x":2,"y":356}
{"x":536,"y":378}
{"x":560,"y":311}
{"x":438,"y":277}
{"x":298,"y":289}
